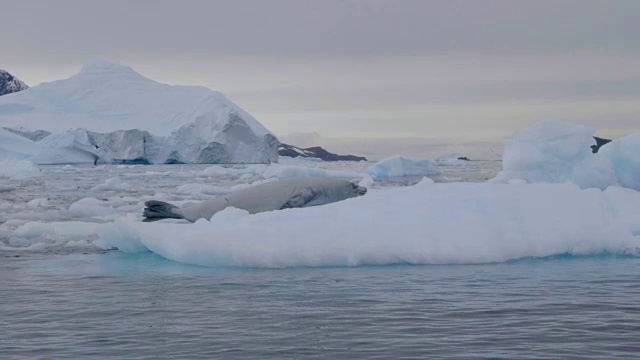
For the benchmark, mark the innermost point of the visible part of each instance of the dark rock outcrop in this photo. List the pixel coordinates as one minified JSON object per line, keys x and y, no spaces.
{"x":10,"y":84}
{"x":599,"y":143}
{"x":315,"y":152}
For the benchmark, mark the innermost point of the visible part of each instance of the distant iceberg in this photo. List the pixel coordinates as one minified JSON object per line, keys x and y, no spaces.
{"x":126,"y":117}
{"x":400,"y":166}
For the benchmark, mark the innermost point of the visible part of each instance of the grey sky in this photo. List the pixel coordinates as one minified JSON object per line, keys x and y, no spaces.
{"x":455,"y":69}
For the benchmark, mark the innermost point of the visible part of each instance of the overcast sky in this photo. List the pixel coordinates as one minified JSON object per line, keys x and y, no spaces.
{"x":463,"y":70}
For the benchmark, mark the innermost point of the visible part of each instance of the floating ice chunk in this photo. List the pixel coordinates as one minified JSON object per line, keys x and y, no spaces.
{"x":423,"y":224}
{"x":36,"y":203}
{"x":65,"y":230}
{"x":224,"y":171}
{"x":556,"y":152}
{"x":398,"y":166}
{"x":18,"y":169}
{"x":113,"y":184}
{"x":90,"y":207}
{"x":122,"y":234}
{"x":289,"y":171}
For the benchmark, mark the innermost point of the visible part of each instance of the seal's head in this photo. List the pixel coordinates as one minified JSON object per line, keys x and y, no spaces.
{"x":359,"y":190}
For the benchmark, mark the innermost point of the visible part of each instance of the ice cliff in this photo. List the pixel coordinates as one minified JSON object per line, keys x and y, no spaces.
{"x":121,"y":116}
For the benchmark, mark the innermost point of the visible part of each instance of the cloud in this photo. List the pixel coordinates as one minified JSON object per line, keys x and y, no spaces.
{"x":367,"y":67}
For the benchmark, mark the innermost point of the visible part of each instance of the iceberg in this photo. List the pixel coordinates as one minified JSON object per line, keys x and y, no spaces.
{"x":453,"y":223}
{"x":130,"y":118}
{"x":399,"y":166}
{"x":557,"y":152}
{"x":623,"y":155}
{"x":17,"y":170}
{"x":16,"y":147}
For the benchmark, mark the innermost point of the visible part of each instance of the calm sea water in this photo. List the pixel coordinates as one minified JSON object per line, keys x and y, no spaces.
{"x":69,"y":302}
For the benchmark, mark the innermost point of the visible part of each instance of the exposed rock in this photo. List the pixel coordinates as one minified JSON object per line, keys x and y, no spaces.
{"x":315,"y":152}
{"x":599,"y":143}
{"x":10,"y":84}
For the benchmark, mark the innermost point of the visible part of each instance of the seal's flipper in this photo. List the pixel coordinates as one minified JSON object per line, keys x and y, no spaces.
{"x":158,"y":210}
{"x":300,"y":200}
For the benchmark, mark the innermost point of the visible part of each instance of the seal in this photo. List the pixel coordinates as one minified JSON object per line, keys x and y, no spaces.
{"x":274,"y":195}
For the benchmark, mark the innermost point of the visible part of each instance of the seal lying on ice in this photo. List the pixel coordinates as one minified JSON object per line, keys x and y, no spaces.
{"x":274,"y":195}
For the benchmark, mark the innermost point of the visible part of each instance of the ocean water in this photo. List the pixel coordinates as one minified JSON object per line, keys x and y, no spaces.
{"x":62,"y":297}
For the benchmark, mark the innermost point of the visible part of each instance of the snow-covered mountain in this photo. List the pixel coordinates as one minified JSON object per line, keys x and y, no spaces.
{"x":10,"y":84}
{"x":114,"y":108}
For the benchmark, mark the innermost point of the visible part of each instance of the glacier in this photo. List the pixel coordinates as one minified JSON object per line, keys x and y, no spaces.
{"x":128,"y":118}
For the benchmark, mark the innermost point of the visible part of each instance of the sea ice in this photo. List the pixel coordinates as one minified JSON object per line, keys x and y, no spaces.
{"x":113,"y":184}
{"x":289,"y":171}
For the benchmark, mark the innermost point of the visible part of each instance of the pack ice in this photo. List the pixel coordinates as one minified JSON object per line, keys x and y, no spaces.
{"x":118,"y":115}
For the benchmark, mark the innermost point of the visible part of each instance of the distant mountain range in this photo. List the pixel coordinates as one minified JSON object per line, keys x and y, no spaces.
{"x":10,"y":84}
{"x":315,"y":152}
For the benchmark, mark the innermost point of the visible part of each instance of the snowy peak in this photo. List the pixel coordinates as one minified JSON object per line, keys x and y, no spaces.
{"x":105,"y":97}
{"x":100,"y":68}
{"x":10,"y":84}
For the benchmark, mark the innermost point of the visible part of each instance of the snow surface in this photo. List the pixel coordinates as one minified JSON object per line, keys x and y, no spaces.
{"x":557,"y":152}
{"x":398,"y":166}
{"x":190,"y":124}
{"x":423,"y":224}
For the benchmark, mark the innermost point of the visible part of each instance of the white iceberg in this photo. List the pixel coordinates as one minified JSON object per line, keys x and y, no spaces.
{"x":130,"y":118}
{"x":16,"y":147}
{"x":17,"y":170}
{"x":456,"y":223}
{"x":557,"y":152}
{"x":398,"y":166}
{"x":623,"y":155}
